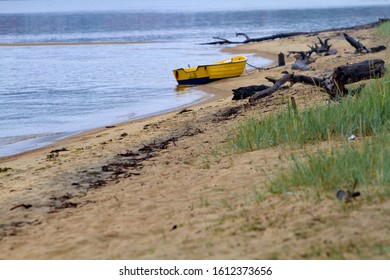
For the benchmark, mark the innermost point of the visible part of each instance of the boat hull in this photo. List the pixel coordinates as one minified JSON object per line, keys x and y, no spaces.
{"x":203,"y":74}
{"x":195,"y":81}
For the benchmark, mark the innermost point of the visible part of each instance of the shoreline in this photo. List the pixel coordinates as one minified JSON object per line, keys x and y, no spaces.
{"x":161,"y":188}
{"x":36,"y":142}
{"x":66,"y":137}
{"x":41,"y":141}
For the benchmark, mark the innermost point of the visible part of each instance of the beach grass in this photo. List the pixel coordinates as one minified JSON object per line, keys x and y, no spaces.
{"x":326,"y":171}
{"x":368,"y":164}
{"x":319,"y":174}
{"x":384,"y":28}
{"x":365,"y":115}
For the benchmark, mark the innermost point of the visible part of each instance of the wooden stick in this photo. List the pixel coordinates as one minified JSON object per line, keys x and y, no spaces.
{"x":270,"y":90}
{"x":294,"y":105}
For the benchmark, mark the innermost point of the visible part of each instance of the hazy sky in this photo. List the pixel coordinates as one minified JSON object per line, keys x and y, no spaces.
{"x":14,"y":6}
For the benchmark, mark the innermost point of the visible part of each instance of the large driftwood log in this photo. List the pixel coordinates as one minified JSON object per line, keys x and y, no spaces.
{"x":272,"y":37}
{"x":252,"y":40}
{"x":333,"y":85}
{"x":223,"y":41}
{"x":290,"y":34}
{"x":347,"y":74}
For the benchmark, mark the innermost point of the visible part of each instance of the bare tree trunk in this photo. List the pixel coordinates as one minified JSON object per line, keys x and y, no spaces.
{"x":347,"y":74}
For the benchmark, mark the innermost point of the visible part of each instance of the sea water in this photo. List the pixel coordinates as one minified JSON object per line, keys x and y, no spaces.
{"x":48,"y":92}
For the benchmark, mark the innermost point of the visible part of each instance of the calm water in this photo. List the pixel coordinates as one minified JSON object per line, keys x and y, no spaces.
{"x":48,"y":92}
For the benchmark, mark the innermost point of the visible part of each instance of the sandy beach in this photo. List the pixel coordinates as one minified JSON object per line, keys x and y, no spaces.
{"x":165,"y":188}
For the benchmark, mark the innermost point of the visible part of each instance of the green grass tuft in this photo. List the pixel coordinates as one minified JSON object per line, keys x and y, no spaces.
{"x":327,"y":171}
{"x":384,"y":29}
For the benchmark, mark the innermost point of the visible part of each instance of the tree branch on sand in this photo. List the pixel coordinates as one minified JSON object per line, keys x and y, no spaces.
{"x":360,"y":48}
{"x":334,"y":85}
{"x":222,"y":41}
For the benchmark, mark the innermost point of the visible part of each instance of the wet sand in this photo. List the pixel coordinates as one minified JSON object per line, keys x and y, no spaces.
{"x":165,"y":187}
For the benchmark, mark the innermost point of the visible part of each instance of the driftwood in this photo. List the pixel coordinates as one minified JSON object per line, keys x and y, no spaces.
{"x":301,"y":65}
{"x":377,"y":49}
{"x":272,"y":89}
{"x":302,"y":60}
{"x":223,"y":41}
{"x":359,"y":47}
{"x":294,"y":104}
{"x":334,"y":85}
{"x":248,"y":91}
{"x":322,"y":48}
{"x":281,"y":60}
{"x":272,"y":37}
{"x":243,"y":34}
{"x":303,"y":57}
{"x":307,"y":80}
{"x":352,"y":73}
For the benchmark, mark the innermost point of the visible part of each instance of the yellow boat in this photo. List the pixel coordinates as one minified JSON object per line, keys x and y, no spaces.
{"x":202,"y":74}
